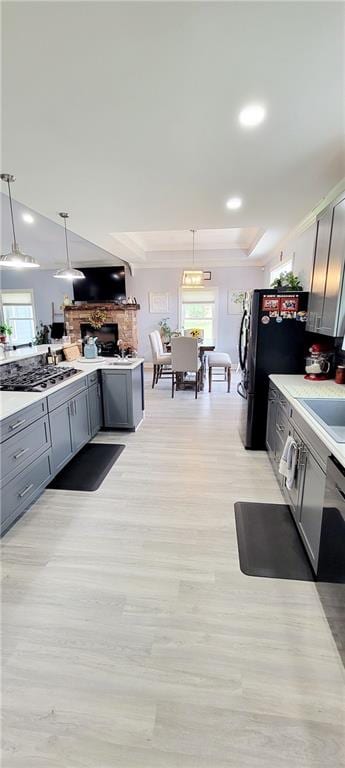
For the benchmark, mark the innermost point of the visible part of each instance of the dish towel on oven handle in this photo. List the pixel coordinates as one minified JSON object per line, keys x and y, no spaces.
{"x":288,"y":461}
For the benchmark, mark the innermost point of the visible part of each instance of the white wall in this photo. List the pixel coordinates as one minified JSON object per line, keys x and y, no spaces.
{"x":302,"y":247}
{"x":45,"y":288}
{"x":169,"y":280}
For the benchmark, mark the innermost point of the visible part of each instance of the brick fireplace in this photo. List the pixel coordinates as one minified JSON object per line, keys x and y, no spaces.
{"x":122,"y":315}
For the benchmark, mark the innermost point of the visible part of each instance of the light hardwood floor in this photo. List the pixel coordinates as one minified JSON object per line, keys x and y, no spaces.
{"x":132,"y":639}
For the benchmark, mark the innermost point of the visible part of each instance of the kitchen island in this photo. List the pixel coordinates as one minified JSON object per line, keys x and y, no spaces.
{"x":40,"y":432}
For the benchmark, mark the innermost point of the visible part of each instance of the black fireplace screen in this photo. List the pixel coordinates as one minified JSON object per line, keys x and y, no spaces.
{"x":107,"y":337}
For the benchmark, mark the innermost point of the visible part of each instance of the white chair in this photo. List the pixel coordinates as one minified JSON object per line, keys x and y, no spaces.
{"x":185,"y":358}
{"x":219,"y":360}
{"x":159,"y":358}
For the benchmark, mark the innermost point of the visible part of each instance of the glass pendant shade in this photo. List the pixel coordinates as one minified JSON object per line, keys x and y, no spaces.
{"x":193,"y":276}
{"x":68,"y":273}
{"x":16,"y":259}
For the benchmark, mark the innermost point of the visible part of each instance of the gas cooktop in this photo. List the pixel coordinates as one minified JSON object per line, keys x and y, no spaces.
{"x":38,"y":379}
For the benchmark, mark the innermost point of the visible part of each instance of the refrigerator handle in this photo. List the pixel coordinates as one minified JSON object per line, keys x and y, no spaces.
{"x":242,"y":360}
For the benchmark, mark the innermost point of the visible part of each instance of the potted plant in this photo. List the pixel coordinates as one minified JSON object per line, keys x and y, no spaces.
{"x":287,"y":280}
{"x":5,"y":330}
{"x":165,"y":330}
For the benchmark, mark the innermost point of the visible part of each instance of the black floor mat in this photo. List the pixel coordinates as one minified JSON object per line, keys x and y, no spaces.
{"x":88,"y":469}
{"x":268,"y":542}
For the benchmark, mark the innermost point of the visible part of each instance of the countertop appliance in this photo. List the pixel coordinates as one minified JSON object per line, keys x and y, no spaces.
{"x":318,"y":363}
{"x":271,"y":340}
{"x":37,"y":379}
{"x":331,"y":565}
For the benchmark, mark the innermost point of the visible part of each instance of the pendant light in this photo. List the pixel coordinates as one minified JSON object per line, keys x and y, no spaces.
{"x":192,"y":276}
{"x":16,"y":259}
{"x":69,"y":273}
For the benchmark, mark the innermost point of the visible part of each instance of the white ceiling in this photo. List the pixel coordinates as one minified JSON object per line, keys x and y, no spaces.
{"x":45,"y":239}
{"x":125,"y":114}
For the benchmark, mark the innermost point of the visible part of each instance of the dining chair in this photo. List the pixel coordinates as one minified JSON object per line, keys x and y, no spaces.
{"x":219,"y":360}
{"x":185,"y":358}
{"x":159,"y":359}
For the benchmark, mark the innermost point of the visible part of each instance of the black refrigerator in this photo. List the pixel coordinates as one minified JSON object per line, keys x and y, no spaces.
{"x":272,"y":340}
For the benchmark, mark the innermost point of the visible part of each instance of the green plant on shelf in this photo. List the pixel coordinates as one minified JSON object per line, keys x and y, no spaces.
{"x":287,"y":280}
{"x":165,"y":329}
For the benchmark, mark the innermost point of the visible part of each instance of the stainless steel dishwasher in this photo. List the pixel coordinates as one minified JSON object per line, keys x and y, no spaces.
{"x":331,"y":566}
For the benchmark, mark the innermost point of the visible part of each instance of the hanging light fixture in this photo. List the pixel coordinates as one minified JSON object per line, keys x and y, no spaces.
{"x":69,"y":273}
{"x":16,"y":259}
{"x":192,"y":277}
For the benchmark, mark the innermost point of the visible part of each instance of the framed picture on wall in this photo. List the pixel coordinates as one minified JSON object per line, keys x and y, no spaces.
{"x":235,"y":302}
{"x":158,"y":303}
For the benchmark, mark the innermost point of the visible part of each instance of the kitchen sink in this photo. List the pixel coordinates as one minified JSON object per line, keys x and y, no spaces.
{"x":330,"y":414}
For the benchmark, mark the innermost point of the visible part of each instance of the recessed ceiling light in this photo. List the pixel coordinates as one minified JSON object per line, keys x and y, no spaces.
{"x":252,"y":115}
{"x":28,"y":218}
{"x":234,"y":203}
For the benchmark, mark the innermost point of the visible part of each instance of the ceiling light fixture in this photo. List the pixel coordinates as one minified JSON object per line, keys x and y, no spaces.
{"x":16,"y":259}
{"x":69,"y":273}
{"x":28,"y":218}
{"x":234,"y":203}
{"x":192,"y":277}
{"x":252,"y":115}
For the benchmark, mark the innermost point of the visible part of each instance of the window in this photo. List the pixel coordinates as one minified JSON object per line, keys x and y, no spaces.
{"x":198,"y":310}
{"x":18,"y":312}
{"x":285,"y":266}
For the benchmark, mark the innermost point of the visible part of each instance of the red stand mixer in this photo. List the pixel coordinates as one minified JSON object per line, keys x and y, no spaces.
{"x":318,"y":363}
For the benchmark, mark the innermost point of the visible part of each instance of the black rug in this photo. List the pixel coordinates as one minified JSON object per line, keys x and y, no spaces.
{"x":88,"y":469}
{"x":268,"y":542}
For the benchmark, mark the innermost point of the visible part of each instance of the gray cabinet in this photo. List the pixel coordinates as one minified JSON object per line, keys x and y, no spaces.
{"x":333,"y":315}
{"x":80,"y":427}
{"x":311,"y":505}
{"x":95,"y":408}
{"x":70,"y":430}
{"x":271,"y":434}
{"x":326,"y":311}
{"x":122,"y":398}
{"x":24,"y":489}
{"x":20,"y":420}
{"x":61,"y":436}
{"x":25,"y":446}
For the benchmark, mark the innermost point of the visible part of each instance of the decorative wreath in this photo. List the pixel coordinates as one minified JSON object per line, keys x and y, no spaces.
{"x":97,"y":318}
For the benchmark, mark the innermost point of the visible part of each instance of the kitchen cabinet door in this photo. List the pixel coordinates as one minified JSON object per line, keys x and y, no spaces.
{"x":271,"y":432}
{"x":80,"y":421}
{"x":116,"y":399}
{"x":61,"y":436}
{"x":318,"y":286}
{"x":333,"y":315}
{"x":311,"y":506}
{"x":95,"y":408}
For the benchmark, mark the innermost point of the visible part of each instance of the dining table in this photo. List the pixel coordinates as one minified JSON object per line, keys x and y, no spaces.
{"x":181,"y":381}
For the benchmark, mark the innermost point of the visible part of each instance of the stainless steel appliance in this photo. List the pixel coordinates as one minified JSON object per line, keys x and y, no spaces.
{"x":36,"y":379}
{"x":331,"y":566}
{"x":272,"y":335}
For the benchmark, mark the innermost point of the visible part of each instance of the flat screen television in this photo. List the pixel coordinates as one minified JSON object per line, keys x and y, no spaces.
{"x":101,"y":284}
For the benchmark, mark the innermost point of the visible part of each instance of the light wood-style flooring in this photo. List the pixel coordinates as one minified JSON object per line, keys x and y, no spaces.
{"x":131,"y":637}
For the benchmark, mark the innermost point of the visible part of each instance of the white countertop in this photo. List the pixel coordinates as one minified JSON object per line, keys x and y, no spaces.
{"x":12,"y":402}
{"x":13,"y":356}
{"x":294,"y":387}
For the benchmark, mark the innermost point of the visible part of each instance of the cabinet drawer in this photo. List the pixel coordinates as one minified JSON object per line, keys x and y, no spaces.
{"x":64,"y":394}
{"x":19,"y":493}
{"x":92,"y":378}
{"x":23,"y":448}
{"x":14,"y":424}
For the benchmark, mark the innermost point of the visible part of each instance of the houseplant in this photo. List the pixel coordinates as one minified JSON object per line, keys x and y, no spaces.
{"x":287,"y":280}
{"x":5,"y":330}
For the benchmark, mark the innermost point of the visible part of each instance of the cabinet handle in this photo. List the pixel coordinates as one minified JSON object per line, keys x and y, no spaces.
{"x":25,"y":491}
{"x":280,"y":428}
{"x":70,"y":408}
{"x":20,"y":453}
{"x":317,"y":322}
{"x":17,"y":424}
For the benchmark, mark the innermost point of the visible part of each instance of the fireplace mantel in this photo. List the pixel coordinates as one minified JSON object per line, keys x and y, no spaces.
{"x":124,"y":315}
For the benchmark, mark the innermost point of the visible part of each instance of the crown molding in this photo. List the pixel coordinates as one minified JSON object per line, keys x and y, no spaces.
{"x":308,"y":220}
